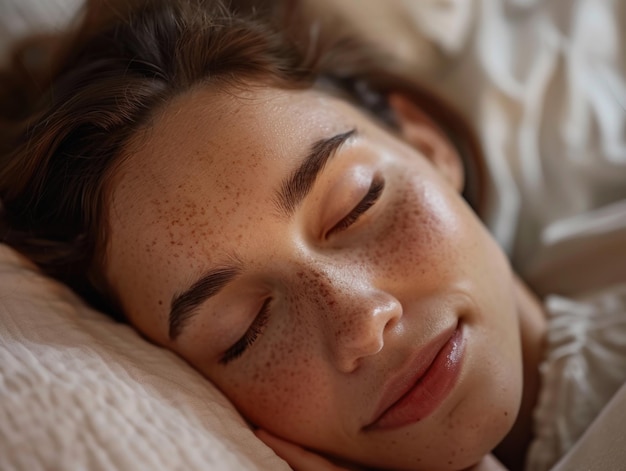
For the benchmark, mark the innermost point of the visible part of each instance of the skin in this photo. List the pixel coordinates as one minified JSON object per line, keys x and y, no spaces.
{"x":198,"y":191}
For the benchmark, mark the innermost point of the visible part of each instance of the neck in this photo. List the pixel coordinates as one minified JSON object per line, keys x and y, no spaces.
{"x":512,"y":450}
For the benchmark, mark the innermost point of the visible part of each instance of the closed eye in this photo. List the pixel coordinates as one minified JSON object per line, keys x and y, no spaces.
{"x":251,"y":335}
{"x":370,"y":198}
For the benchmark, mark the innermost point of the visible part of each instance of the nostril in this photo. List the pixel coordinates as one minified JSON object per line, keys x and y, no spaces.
{"x":390,"y":325}
{"x":390,"y":314}
{"x":354,"y":339}
{"x":362,"y":334}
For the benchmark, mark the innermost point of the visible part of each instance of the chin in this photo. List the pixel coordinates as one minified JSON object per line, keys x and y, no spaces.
{"x":481,"y":426}
{"x":464,"y":438}
{"x":476,"y":424}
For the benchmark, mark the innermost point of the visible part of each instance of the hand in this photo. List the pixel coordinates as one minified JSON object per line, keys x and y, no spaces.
{"x":299,"y":458}
{"x":488,"y":463}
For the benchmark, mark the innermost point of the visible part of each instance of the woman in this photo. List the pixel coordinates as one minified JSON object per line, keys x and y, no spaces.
{"x":229,"y":195}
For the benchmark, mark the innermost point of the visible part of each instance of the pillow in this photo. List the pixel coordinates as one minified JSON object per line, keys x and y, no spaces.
{"x":80,"y":391}
{"x":20,"y":18}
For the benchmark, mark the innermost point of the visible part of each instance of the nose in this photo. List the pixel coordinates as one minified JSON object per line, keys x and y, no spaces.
{"x":360,"y":328}
{"x":354,"y":316}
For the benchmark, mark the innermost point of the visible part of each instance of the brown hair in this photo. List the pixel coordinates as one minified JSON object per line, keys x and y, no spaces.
{"x":64,"y":127}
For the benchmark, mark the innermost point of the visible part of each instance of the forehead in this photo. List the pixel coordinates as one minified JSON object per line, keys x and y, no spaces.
{"x":227,"y":137}
{"x":205,"y":171}
{"x":221,"y":134}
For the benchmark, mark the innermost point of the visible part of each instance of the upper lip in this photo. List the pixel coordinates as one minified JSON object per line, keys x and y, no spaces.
{"x":411,"y":372}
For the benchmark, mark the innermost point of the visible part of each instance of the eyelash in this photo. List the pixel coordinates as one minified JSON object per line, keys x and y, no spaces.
{"x":260,"y":321}
{"x":251,"y":335}
{"x":372,"y":196}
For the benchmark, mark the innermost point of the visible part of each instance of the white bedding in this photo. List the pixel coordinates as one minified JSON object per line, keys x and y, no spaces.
{"x":79,"y":391}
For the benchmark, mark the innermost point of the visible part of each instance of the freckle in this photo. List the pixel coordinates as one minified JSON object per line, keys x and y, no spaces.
{"x":160,"y":302}
{"x":449,"y":462}
{"x":506,"y":414}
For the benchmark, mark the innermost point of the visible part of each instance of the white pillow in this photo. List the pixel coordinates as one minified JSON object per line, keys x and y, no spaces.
{"x":80,"y":391}
{"x":19,"y":18}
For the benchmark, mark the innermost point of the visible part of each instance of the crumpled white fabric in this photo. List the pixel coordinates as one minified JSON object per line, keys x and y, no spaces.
{"x":585,"y":365}
{"x":583,"y":259}
{"x":544,"y":82}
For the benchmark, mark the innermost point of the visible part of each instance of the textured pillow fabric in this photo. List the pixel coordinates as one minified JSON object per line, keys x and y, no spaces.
{"x":80,"y":391}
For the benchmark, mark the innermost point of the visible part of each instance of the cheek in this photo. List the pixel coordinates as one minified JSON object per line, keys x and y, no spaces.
{"x":420,"y":234}
{"x":288,"y":385}
{"x":283,"y":386}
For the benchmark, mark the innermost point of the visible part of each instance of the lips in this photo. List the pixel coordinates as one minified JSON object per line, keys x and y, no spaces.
{"x":423,"y":383}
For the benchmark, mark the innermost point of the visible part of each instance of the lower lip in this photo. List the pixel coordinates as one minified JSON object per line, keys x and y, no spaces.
{"x":430,"y":390}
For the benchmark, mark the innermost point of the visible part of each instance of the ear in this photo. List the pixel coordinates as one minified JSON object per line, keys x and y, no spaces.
{"x":419,"y":130}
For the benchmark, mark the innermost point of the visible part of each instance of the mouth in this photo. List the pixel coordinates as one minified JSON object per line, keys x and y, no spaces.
{"x":423,"y":384}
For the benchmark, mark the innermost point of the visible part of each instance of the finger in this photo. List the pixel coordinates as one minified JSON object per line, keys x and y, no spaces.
{"x":488,"y":463}
{"x":298,"y":458}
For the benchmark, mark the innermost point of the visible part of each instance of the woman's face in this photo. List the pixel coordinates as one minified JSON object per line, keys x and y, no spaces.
{"x":322,"y":273}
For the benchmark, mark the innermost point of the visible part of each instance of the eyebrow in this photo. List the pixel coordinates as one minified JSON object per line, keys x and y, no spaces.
{"x":184,"y":304}
{"x":295,"y":188}
{"x":291,"y":193}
